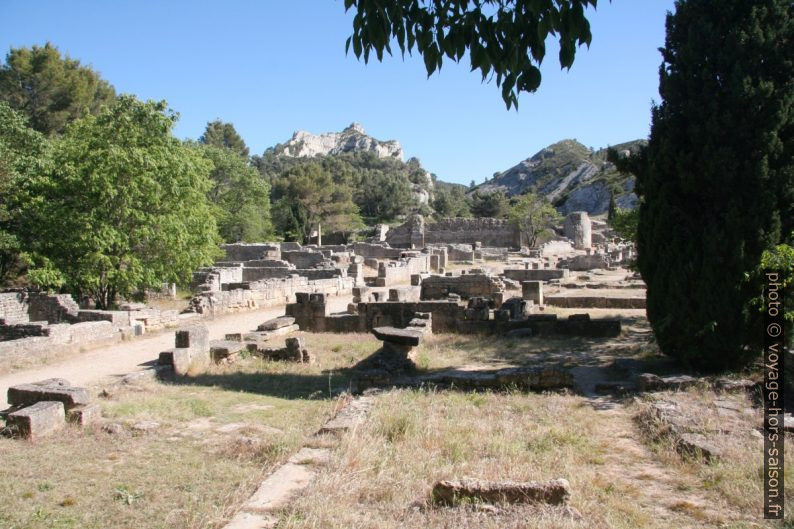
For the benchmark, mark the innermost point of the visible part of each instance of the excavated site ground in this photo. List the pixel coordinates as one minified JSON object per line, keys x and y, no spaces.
{"x":260,"y":443}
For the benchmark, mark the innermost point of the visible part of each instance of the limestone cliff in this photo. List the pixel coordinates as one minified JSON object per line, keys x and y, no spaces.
{"x":571,"y":176}
{"x":351,"y":139}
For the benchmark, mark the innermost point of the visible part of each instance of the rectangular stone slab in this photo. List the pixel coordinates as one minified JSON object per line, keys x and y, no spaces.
{"x":39,"y":420}
{"x":555,"y":491}
{"x":28,"y":394}
{"x":276,"y":323}
{"x":393,"y":335}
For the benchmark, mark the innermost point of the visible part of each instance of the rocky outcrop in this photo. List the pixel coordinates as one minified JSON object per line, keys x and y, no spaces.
{"x":571,"y":176}
{"x":351,"y":139}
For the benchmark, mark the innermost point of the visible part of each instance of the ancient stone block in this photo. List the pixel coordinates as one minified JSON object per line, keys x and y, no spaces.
{"x":398,"y":336}
{"x":195,"y":337}
{"x":27,"y":394}
{"x":532,"y":291}
{"x":39,"y":420}
{"x":180,"y":358}
{"x":554,"y":492}
{"x":276,"y":323}
{"x":225,"y":349}
{"x":84,"y":415}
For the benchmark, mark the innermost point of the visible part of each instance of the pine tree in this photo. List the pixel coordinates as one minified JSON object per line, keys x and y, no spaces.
{"x":220,"y":134}
{"x":717,"y":178}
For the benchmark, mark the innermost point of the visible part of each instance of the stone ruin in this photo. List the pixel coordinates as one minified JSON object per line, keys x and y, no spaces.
{"x":42,"y":408}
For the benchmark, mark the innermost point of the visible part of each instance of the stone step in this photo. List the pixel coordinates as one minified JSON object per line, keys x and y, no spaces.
{"x":27,"y":394}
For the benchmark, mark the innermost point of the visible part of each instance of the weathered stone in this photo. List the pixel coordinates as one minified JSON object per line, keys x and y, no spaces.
{"x":145,"y":426}
{"x":194,"y":337}
{"x":554,"y":492}
{"x":166,"y":358}
{"x":651,"y":382}
{"x":398,"y":336}
{"x":180,"y":358}
{"x":84,"y":415}
{"x":697,"y":445}
{"x":532,"y":291}
{"x":27,"y":394}
{"x":39,"y":420}
{"x":225,"y":349}
{"x":276,"y":323}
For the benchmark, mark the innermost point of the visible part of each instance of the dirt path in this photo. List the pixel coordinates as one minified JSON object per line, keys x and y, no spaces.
{"x":126,"y":357}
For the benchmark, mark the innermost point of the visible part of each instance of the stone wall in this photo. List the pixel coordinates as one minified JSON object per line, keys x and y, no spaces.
{"x":303,"y":258}
{"x":466,"y":286}
{"x":265,"y":293}
{"x":544,"y":274}
{"x":62,"y":336}
{"x":400,"y":272}
{"x":52,"y":308}
{"x":376,"y":251}
{"x":416,"y":233}
{"x":14,"y":307}
{"x":251,"y":251}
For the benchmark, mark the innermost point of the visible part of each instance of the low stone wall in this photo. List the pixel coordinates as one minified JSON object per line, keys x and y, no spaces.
{"x":62,"y":336}
{"x":596,"y":302}
{"x":303,"y":258}
{"x":544,"y":274}
{"x":265,"y":293}
{"x":466,"y":286}
{"x":52,"y":308}
{"x":376,"y":251}
{"x":490,"y":232}
{"x":400,"y":272}
{"x":251,"y":251}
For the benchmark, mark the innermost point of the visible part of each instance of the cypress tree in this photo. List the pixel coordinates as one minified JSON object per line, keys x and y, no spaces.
{"x":717,"y":177}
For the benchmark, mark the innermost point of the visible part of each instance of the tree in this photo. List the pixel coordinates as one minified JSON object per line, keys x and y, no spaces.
{"x":451,"y":202}
{"x":489,"y":204}
{"x":52,"y":91}
{"x":717,"y":177}
{"x":241,"y":197}
{"x":533,"y":217}
{"x":123,"y":207}
{"x":382,"y":197}
{"x":504,"y":38}
{"x":23,"y":156}
{"x":624,"y":223}
{"x":308,"y":198}
{"x":220,"y":134}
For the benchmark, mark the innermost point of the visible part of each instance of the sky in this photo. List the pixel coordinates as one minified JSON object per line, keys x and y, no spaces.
{"x":272,"y":67}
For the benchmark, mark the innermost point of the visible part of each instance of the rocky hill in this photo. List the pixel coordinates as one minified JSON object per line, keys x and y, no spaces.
{"x":351,"y":139}
{"x":572,"y":176}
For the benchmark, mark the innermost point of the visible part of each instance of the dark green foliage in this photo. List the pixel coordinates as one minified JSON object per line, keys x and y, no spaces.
{"x":224,"y":135}
{"x":717,"y":178}
{"x":122,"y":207}
{"x":489,"y":204}
{"x":307,"y":197}
{"x":52,"y":91}
{"x":533,"y":216}
{"x":450,"y":201}
{"x":241,"y":196}
{"x":23,"y":156}
{"x":504,"y":38}
{"x":382,"y":187}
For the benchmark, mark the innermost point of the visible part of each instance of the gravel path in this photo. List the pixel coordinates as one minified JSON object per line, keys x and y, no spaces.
{"x":127,"y":357}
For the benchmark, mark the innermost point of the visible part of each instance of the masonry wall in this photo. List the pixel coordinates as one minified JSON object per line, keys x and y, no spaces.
{"x":489,"y":232}
{"x":52,"y":308}
{"x":14,"y":307}
{"x":545,"y":274}
{"x":466,"y":286}
{"x":265,"y":293}
{"x":251,"y":251}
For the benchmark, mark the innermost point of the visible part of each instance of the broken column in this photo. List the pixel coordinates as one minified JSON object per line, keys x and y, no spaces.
{"x":532,"y":291}
{"x":578,"y":228}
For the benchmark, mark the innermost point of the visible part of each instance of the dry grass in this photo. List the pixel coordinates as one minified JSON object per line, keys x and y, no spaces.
{"x":735,"y":479}
{"x":381,"y":477}
{"x":218,"y":435}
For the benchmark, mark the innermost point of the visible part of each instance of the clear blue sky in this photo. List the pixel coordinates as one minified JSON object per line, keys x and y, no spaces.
{"x":275,"y":66}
